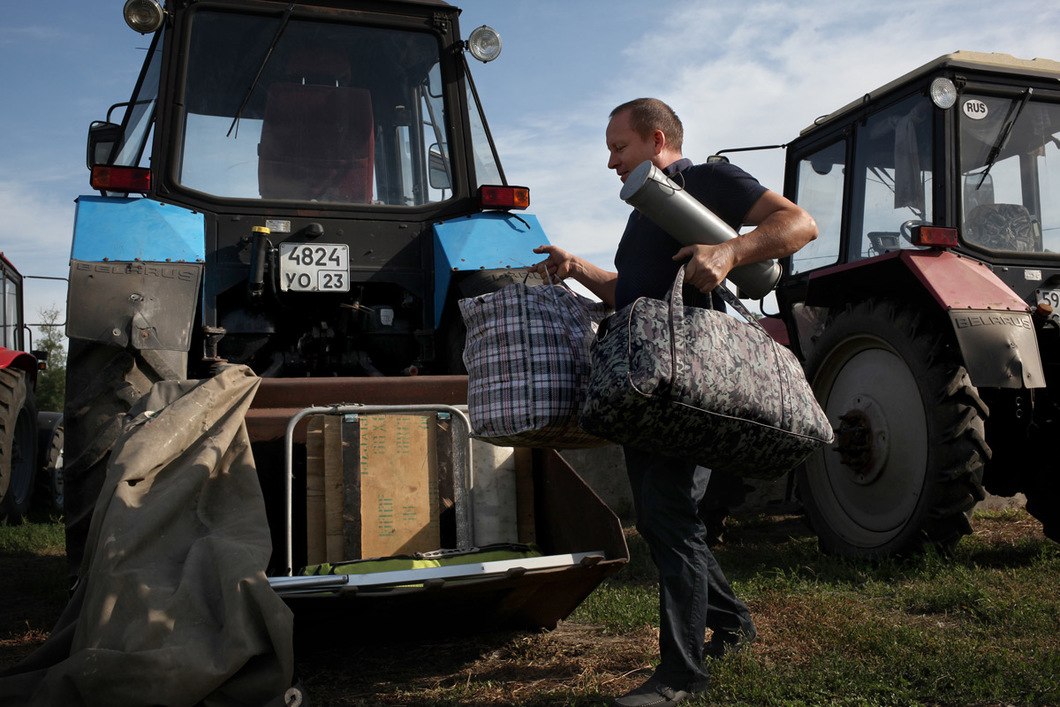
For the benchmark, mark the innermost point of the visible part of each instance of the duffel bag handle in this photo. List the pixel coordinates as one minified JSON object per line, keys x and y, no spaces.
{"x":677,"y":303}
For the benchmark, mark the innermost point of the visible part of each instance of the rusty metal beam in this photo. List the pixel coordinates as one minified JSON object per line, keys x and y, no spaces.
{"x":279,"y":399}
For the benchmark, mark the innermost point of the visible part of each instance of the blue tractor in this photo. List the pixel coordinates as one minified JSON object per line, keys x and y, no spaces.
{"x":307,"y":189}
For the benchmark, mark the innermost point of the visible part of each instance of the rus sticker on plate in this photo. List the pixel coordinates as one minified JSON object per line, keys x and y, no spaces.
{"x":317,"y":267}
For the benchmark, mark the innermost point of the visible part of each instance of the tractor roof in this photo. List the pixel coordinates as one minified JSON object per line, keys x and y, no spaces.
{"x":959,"y":60}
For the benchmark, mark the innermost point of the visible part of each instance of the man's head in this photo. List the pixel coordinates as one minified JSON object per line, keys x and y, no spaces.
{"x":643,"y":129}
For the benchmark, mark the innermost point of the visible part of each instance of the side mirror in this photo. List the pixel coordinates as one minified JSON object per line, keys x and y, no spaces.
{"x":103,"y":137}
{"x":438,"y":169}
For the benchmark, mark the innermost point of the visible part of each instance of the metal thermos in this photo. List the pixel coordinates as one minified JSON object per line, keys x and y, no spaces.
{"x":680,"y":214}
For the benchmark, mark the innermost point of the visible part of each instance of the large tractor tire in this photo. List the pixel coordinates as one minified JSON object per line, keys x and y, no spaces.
{"x":907,"y":466}
{"x":102,"y":383}
{"x":18,"y":444}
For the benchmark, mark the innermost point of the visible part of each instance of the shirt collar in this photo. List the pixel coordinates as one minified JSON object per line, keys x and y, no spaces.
{"x":677,"y":166}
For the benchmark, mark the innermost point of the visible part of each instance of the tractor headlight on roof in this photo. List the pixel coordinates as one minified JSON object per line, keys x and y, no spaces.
{"x":943,"y":93}
{"x":144,"y":16}
{"x":484,"y":44}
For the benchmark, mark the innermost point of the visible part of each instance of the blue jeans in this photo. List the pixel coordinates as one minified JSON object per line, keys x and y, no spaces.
{"x":693,"y":591}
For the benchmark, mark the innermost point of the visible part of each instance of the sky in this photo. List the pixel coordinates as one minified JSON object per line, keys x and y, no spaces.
{"x":737,"y":73}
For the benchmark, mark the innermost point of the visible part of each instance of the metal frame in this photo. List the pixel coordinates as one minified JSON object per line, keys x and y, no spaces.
{"x":461,"y":465}
{"x":344,"y":583}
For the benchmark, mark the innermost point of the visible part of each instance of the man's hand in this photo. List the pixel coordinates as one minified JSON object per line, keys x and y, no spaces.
{"x":559,"y":265}
{"x":707,"y":265}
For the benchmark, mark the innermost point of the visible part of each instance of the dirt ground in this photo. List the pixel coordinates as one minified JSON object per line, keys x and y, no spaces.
{"x":566,"y":665}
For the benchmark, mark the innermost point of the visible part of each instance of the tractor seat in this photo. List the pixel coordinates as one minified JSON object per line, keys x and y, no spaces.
{"x":1003,"y":227}
{"x":317,"y":139}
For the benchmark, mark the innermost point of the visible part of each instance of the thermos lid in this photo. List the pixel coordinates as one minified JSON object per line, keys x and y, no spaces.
{"x":636,"y":179}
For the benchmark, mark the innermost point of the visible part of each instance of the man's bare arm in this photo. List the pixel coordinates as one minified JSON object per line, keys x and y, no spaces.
{"x":781,"y":228}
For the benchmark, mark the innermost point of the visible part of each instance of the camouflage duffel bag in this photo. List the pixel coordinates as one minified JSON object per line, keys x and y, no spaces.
{"x":527,"y":359}
{"x":701,"y":385}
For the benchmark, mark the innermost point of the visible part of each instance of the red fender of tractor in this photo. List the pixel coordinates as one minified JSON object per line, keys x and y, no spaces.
{"x":991,"y":322}
{"x":19,"y":359}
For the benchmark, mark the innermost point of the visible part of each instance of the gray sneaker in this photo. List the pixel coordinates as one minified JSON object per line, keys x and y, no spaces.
{"x":652,"y":693}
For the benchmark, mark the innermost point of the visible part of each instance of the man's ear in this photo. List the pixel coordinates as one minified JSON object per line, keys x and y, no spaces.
{"x":659,"y":139}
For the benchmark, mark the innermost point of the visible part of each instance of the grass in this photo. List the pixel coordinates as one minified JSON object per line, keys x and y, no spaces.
{"x":979,"y":628}
{"x":33,"y":584}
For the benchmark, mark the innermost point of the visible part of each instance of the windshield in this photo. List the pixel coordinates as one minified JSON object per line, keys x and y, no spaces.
{"x":1011,"y":172}
{"x":289,"y":109}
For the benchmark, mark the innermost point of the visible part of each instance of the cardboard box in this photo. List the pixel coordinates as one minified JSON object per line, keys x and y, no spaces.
{"x":372,"y":486}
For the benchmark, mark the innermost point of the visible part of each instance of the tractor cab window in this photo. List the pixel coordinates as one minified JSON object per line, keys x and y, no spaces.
{"x":892,"y":185}
{"x":487,"y":171}
{"x":140,"y":115}
{"x":820,"y":192}
{"x":1010,"y":164}
{"x":11,"y":336}
{"x":298,"y":110}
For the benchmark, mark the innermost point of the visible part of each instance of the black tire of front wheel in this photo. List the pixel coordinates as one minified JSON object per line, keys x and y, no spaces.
{"x":897,"y":369}
{"x":50,"y":477}
{"x":102,"y":383}
{"x":18,"y":446}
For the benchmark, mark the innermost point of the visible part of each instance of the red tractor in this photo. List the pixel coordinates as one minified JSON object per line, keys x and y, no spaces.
{"x":924,"y":311}
{"x":30,"y":442}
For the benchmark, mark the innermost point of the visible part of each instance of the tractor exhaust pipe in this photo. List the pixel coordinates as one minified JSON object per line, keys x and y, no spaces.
{"x":680,"y":214}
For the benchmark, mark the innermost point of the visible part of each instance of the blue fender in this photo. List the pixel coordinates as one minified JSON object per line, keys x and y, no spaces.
{"x":131,"y":229}
{"x":483,"y":241}
{"x":136,"y":273}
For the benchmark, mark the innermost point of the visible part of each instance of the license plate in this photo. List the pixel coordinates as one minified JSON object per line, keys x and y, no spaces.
{"x":1050,"y":297}
{"x":316,"y":267}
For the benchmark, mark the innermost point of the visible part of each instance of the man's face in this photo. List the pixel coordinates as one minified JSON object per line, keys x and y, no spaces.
{"x":627,"y":148}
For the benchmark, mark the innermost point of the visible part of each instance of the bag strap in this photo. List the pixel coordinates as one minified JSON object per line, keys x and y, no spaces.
{"x":735,"y":303}
{"x":676,"y":318}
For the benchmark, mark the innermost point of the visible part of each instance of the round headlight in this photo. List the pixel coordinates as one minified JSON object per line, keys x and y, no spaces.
{"x":484,"y":44}
{"x":943,"y":93}
{"x":144,"y":16}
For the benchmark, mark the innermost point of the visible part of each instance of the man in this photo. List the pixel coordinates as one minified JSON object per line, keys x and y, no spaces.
{"x":694,"y":593}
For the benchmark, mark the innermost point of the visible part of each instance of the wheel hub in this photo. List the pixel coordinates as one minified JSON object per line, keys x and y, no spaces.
{"x":862,"y":439}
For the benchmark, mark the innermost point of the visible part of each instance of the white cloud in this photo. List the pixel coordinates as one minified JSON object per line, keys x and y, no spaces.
{"x":35,"y":235}
{"x":739,"y":74}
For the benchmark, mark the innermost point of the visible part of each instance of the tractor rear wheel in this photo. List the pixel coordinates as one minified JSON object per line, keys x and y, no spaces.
{"x":907,"y":465}
{"x":18,"y":444}
{"x":102,"y":383}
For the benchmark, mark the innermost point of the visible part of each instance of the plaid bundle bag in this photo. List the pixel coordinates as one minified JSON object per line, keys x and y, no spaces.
{"x":701,"y":385}
{"x":527,"y":358}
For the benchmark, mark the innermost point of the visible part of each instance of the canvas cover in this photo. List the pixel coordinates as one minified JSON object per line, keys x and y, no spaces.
{"x":173,"y":607}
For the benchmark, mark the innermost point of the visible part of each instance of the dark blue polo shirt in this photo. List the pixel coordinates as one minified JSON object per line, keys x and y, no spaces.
{"x":644,"y":257}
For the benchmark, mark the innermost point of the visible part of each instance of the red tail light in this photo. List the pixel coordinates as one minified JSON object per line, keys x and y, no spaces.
{"x":124,"y":179}
{"x":933,"y":235}
{"x":496,"y":197}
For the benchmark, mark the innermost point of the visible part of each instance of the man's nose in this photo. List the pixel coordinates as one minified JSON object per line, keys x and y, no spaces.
{"x":612,"y":162}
